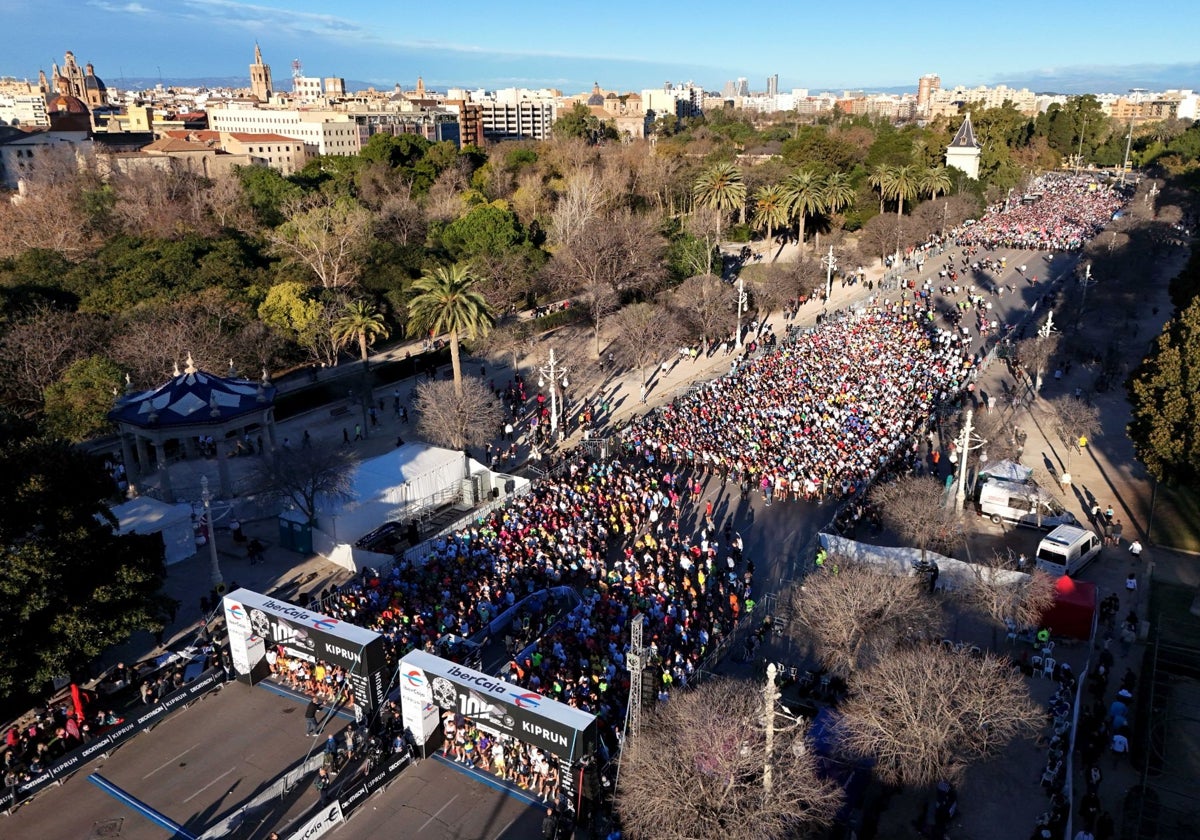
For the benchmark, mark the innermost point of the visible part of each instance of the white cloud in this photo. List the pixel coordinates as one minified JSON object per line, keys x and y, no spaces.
{"x":127,"y":8}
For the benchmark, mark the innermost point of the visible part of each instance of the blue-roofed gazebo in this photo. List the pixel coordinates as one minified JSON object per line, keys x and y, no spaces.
{"x":192,"y":406}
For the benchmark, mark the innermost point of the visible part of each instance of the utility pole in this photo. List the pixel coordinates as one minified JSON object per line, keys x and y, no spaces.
{"x":830,"y":263}
{"x":770,"y":695}
{"x":945,"y":210}
{"x":741,"y":307}
{"x":214,"y":566}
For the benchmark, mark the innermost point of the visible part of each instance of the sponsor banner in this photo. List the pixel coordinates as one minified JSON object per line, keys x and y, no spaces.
{"x":137,"y":720}
{"x":311,"y":636}
{"x":496,"y":706}
{"x":379,"y":776}
{"x":416,"y":704}
{"x":326,"y":818}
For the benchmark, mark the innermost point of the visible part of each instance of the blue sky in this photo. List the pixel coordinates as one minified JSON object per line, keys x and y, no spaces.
{"x":623,"y":44}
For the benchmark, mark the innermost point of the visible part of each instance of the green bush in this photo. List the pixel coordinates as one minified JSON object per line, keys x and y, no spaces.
{"x":738,"y":233}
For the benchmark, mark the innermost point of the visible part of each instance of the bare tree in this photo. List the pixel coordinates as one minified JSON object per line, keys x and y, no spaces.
{"x":883,"y":235}
{"x":924,"y":713}
{"x":1034,"y":354}
{"x":696,"y":772}
{"x":326,"y":235}
{"x":457,"y":421}
{"x":49,"y":212}
{"x":305,"y":478}
{"x":445,"y":200}
{"x":915,"y":508}
{"x":1000,"y":434}
{"x":400,"y":220}
{"x":1075,"y":422}
{"x":510,"y":342}
{"x":35,"y":351}
{"x":858,"y":616}
{"x":164,"y":202}
{"x":580,"y":203}
{"x":1004,"y":595}
{"x":646,"y":335}
{"x":610,"y":256}
{"x":706,"y":306}
{"x":705,"y":224}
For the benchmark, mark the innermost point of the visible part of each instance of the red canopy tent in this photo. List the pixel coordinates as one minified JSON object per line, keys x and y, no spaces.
{"x":1074,"y":609}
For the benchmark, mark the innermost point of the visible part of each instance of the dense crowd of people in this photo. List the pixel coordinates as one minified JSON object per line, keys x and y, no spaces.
{"x":820,"y":417}
{"x":1059,"y":212}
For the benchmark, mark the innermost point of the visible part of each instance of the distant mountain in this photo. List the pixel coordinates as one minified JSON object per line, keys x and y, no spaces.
{"x":1107,"y":79}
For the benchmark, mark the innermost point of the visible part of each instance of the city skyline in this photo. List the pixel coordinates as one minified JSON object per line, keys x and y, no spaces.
{"x":549,"y":46}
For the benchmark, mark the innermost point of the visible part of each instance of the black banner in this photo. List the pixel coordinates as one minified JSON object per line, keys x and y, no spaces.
{"x":133,"y":723}
{"x":377,"y":778}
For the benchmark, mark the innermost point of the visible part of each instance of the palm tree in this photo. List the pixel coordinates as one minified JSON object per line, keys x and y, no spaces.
{"x":935,"y":181}
{"x":362,"y":321}
{"x":447,"y":302}
{"x":805,"y":198}
{"x":878,"y":179}
{"x":770,"y":209}
{"x":720,"y":187}
{"x":902,"y":184}
{"x":836,"y":196}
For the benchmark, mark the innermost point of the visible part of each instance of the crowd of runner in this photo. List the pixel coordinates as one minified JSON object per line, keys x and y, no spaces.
{"x":819,"y":417}
{"x":1059,"y":212}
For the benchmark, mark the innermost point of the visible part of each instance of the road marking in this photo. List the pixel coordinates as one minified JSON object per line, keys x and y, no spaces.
{"x":439,"y":813}
{"x":210,"y":784}
{"x":170,"y":761}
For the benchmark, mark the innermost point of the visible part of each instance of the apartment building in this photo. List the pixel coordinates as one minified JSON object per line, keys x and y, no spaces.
{"x":323,"y":132}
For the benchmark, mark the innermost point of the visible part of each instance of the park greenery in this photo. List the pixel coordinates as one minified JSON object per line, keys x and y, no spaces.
{"x":277,"y":272}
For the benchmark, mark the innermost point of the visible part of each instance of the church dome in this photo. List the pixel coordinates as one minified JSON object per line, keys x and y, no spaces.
{"x":597,"y":97}
{"x":64,"y":104}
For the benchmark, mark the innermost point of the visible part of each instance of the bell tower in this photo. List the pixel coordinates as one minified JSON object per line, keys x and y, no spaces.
{"x":260,"y":77}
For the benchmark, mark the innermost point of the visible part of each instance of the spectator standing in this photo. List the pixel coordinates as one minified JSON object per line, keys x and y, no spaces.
{"x":310,"y":715}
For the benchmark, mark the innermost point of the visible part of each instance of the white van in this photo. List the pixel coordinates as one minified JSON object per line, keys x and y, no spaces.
{"x":1023,"y":504}
{"x":1067,"y":549}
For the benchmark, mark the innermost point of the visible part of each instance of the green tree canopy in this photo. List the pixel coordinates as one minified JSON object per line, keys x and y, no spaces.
{"x":581,"y":123}
{"x":1164,"y":393}
{"x":69,"y":586}
{"x":487,"y":230}
{"x":77,"y":404}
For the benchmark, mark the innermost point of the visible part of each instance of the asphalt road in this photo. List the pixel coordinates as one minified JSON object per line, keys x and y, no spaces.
{"x":207,"y":761}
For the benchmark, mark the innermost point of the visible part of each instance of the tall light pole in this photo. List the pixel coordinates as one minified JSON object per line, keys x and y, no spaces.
{"x":830,"y":263}
{"x":741,"y":307}
{"x":965,"y":445}
{"x":214,"y":566}
{"x":1087,"y":281}
{"x":770,"y":695}
{"x":1079,"y":156}
{"x":553,"y":371}
{"x":1137,"y":94}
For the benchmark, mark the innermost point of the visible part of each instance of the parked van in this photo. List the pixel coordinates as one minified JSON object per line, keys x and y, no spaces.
{"x":1023,"y":504}
{"x":1067,"y":549}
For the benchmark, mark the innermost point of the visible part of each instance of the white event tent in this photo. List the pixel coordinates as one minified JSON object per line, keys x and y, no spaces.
{"x":145,"y":515}
{"x":389,"y":488}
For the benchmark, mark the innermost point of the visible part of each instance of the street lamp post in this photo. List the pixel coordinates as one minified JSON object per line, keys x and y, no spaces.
{"x":553,"y":371}
{"x":214,"y":566}
{"x":741,"y":307}
{"x":830,"y":263}
{"x":965,"y":447}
